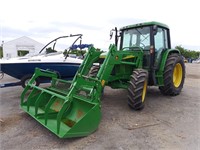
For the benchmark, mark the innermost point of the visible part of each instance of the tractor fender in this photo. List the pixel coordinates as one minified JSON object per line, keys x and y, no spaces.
{"x":160,"y":72}
{"x":165,"y":56}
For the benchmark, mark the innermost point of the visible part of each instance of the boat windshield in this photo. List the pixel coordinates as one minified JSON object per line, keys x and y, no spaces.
{"x":60,"y":44}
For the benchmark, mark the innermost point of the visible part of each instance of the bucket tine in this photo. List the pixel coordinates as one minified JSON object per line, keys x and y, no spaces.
{"x":65,"y":107}
{"x":23,"y":94}
{"x":47,"y":108}
{"x":38,"y":99}
{"x":29,"y":100}
{"x":43,"y":97}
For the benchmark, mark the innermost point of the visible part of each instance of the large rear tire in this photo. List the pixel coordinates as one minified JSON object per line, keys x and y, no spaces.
{"x":174,"y":75}
{"x":137,"y":89}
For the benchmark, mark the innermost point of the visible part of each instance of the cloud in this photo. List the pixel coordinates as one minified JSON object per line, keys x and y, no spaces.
{"x":44,"y":20}
{"x":75,"y":25}
{"x":43,"y":30}
{"x":9,"y":33}
{"x":124,"y":21}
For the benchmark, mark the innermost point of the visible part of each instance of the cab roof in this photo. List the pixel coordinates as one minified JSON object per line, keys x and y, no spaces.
{"x":145,"y":24}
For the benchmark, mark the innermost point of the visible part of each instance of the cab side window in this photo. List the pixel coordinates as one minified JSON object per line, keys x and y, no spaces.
{"x":161,"y":39}
{"x":161,"y":44}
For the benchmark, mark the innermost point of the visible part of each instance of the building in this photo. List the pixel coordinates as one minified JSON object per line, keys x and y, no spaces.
{"x":20,"y":47}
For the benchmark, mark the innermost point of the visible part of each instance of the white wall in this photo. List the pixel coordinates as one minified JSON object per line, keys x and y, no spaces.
{"x":24,"y":43}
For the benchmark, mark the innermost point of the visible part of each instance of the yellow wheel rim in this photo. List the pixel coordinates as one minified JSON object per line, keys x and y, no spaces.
{"x":144,"y":90}
{"x":177,"y":75}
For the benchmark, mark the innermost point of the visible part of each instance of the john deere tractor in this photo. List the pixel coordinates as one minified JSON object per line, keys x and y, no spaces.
{"x":145,"y":58}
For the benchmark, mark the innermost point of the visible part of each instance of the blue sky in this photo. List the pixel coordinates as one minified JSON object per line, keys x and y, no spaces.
{"x":45,"y":20}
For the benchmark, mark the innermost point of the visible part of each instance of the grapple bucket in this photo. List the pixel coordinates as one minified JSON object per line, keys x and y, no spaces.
{"x":68,"y":109}
{"x":65,"y":109}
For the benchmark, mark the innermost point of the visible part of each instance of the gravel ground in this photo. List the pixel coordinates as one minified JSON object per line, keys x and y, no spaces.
{"x":170,"y":123}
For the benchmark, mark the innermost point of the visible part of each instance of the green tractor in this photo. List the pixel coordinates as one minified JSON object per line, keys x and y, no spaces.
{"x":73,"y":108}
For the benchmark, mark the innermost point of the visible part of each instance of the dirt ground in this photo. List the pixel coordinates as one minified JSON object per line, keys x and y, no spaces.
{"x":166,"y":123}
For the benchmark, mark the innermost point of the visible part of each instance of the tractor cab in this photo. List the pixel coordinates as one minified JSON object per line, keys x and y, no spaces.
{"x":151,"y":37}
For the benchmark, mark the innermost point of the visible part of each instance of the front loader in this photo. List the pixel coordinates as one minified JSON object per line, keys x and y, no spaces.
{"x":73,"y":108}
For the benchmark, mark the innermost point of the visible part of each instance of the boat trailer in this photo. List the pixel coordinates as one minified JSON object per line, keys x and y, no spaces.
{"x":10,"y":84}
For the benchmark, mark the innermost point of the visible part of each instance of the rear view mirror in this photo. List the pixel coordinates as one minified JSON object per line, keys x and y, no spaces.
{"x":111,"y":34}
{"x":116,"y":34}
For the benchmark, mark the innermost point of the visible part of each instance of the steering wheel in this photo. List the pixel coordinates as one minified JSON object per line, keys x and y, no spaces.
{"x":134,"y":47}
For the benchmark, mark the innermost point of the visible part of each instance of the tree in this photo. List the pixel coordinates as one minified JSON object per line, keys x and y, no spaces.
{"x":188,"y":53}
{"x":22,"y":52}
{"x":76,"y":51}
{"x":50,"y":50}
{"x":1,"y":51}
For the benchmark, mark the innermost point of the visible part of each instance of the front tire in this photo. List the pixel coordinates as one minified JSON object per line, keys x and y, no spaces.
{"x":93,"y":71}
{"x":174,"y":75}
{"x":137,"y":89}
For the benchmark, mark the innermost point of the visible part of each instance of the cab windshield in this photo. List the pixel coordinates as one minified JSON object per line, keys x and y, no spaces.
{"x":136,"y":37}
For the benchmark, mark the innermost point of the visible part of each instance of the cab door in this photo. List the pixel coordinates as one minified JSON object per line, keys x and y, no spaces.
{"x":161,"y":44}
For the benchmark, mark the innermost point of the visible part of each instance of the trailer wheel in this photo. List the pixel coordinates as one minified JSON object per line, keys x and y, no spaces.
{"x":137,"y":89}
{"x":25,"y":80}
{"x":174,"y":75}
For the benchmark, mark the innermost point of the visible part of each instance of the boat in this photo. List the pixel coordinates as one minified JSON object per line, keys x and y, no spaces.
{"x":23,"y":68}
